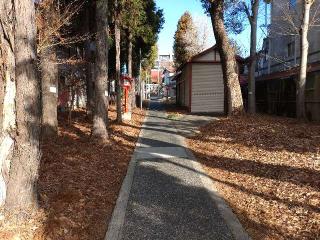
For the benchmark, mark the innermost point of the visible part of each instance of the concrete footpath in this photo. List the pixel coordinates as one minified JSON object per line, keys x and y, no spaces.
{"x":166,"y":194}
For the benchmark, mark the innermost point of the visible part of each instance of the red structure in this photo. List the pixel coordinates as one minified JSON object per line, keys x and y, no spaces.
{"x":126,"y":85}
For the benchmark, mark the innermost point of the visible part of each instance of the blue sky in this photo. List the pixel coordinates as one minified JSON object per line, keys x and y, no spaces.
{"x":173,"y":9}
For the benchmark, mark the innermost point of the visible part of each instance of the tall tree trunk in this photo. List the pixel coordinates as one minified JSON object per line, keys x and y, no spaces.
{"x":253,"y":52}
{"x":49,"y":86}
{"x":8,"y":94}
{"x":22,"y":186}
{"x":130,"y":46}
{"x":227,"y":55}
{"x":132,"y":90}
{"x":100,"y":115}
{"x":118,"y":73}
{"x":89,"y":87}
{"x":2,"y":80}
{"x":89,"y":63}
{"x":300,"y":99}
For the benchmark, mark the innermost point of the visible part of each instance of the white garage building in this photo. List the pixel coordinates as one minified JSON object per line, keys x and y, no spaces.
{"x":200,"y":85}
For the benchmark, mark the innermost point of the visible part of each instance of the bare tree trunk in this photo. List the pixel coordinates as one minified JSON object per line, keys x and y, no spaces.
{"x":100,"y":115}
{"x":253,"y":19}
{"x":49,"y":86}
{"x":300,"y":99}
{"x":22,"y":186}
{"x":71,"y":104}
{"x":89,"y":65}
{"x":2,"y":80}
{"x":8,"y":94}
{"x":89,"y":87}
{"x":133,"y":100}
{"x":130,"y":46}
{"x":227,"y":55}
{"x":132,"y":90}
{"x":118,"y":73}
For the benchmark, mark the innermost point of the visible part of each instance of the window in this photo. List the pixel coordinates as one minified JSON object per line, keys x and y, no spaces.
{"x":292,"y":4}
{"x":290,"y":49}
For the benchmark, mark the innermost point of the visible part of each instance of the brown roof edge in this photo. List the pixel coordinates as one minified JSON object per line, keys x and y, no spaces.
{"x":203,"y":53}
{"x":238,"y":57}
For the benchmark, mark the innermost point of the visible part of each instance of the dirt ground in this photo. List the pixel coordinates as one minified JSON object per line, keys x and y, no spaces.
{"x":268,"y":170}
{"x":79,"y":181}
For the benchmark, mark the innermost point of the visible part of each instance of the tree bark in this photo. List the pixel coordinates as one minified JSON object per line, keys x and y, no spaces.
{"x":49,"y":86}
{"x":8,"y":94}
{"x":100,"y":115}
{"x":2,"y":80}
{"x":118,"y":73}
{"x":22,"y":186}
{"x":132,"y":90}
{"x":89,"y":64}
{"x":130,"y":46}
{"x":228,"y":61}
{"x":300,"y":99}
{"x":253,"y":19}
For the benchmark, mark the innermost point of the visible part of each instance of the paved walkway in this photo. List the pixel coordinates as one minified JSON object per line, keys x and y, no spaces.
{"x":166,"y":195}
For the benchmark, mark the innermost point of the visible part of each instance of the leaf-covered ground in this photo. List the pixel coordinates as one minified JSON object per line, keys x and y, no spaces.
{"x":268,"y":170}
{"x":79,"y":181}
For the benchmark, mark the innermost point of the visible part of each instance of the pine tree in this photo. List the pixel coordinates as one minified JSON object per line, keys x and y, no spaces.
{"x":133,"y":20}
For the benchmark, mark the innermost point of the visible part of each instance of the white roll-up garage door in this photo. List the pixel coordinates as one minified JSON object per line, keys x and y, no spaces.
{"x":207,"y":88}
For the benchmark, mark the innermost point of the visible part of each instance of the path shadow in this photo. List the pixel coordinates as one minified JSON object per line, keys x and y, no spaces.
{"x":265,"y":196}
{"x":162,"y":206}
{"x":170,"y":208}
{"x":283,"y":173}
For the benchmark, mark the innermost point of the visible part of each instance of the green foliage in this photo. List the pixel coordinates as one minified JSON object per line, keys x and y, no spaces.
{"x":142,"y":20}
{"x":134,"y":16}
{"x":147,"y":36}
{"x":149,"y":60}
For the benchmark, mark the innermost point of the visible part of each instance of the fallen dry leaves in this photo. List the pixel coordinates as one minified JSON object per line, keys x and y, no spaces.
{"x":268,"y":170}
{"x":79,"y":180}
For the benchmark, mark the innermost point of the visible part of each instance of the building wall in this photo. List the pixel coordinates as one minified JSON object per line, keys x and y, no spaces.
{"x":282,"y":34}
{"x":313,"y":96}
{"x":183,"y":87}
{"x":207,"y":88}
{"x":278,"y":96}
{"x":211,"y":56}
{"x":187,"y":85}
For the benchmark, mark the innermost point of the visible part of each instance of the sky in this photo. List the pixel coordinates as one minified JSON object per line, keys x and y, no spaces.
{"x":174,"y":9}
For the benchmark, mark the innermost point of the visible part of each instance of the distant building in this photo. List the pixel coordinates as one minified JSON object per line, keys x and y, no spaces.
{"x":169,"y":85}
{"x":278,"y":63}
{"x":156,"y":76}
{"x":164,"y":61}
